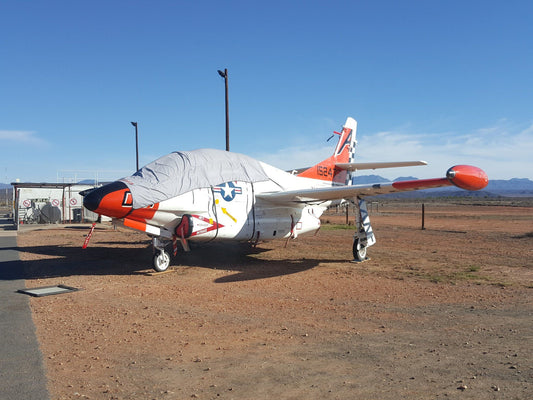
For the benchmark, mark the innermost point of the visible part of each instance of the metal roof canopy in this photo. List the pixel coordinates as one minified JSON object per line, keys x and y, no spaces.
{"x":48,"y":290}
{"x":52,"y":185}
{"x":41,"y":185}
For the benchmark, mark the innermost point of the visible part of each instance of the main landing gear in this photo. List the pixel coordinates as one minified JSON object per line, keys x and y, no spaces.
{"x":363,"y":237}
{"x":359,"y":250}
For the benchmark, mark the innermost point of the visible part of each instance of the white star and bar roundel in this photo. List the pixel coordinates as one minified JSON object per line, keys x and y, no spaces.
{"x":228,"y":190}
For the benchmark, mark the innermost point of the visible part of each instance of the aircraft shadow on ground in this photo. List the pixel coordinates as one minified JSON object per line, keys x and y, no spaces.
{"x":99,"y":259}
{"x":240,"y":259}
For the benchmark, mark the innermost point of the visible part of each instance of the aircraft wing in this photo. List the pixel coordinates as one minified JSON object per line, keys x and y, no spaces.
{"x":463,"y":176}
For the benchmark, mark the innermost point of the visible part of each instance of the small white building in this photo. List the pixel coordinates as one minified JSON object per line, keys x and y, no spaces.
{"x":50,"y":203}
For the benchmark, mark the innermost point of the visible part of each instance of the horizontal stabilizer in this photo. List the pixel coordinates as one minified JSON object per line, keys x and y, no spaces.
{"x":377,"y":165}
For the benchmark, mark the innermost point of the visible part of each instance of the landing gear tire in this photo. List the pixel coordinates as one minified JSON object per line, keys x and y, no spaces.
{"x":161,"y":261}
{"x":359,"y":252}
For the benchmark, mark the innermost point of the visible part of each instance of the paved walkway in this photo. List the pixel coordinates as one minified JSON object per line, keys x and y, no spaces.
{"x":22,"y":373}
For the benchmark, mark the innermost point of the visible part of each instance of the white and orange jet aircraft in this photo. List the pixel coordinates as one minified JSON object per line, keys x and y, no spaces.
{"x":206,"y":195}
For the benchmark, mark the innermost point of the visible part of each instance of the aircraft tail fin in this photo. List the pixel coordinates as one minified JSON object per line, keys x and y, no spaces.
{"x":327,"y":170}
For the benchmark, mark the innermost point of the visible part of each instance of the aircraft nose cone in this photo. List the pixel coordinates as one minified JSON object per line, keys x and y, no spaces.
{"x":91,"y":201}
{"x":113,"y":200}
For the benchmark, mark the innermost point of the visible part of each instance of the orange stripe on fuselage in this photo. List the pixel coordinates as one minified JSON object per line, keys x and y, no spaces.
{"x":134,"y":224}
{"x":145,"y":213}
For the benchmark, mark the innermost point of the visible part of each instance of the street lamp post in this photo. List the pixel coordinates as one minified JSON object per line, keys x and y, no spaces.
{"x":136,"y":145}
{"x":225,"y":76}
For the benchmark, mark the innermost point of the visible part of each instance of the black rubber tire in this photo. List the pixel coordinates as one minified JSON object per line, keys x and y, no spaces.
{"x":358,"y":254}
{"x":161,"y":261}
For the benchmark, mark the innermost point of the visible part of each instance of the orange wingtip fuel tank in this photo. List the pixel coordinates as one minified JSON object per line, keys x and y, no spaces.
{"x":467,"y":177}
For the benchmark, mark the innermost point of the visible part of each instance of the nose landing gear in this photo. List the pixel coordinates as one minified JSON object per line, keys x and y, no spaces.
{"x":161,"y":260}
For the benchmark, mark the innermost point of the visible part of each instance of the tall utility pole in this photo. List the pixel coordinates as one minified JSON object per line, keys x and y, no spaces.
{"x":225,"y":76}
{"x":136,"y":145}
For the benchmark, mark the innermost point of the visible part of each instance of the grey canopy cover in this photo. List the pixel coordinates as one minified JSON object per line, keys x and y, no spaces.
{"x":181,"y":172}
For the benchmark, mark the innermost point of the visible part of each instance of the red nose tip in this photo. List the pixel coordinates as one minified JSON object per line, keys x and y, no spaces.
{"x":467,"y":177}
{"x":113,"y":200}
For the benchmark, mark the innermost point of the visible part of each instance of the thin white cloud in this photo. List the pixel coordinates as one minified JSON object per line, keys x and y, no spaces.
{"x":27,"y":137}
{"x":295,"y":157}
{"x":503,"y":150}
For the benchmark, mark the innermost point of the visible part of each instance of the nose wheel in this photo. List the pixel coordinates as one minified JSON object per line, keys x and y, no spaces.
{"x":161,"y":261}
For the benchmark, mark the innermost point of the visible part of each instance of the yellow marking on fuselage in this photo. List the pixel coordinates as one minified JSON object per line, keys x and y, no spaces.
{"x":228,"y":214}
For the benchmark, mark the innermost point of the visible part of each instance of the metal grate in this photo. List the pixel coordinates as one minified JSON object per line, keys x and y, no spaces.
{"x":48,"y":290}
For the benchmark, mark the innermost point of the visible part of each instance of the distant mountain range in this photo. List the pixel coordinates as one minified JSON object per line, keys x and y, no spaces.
{"x":515,"y":187}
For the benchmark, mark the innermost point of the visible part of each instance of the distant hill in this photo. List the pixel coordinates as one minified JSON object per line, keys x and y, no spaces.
{"x":404,"y":178}
{"x":366,"y":179}
{"x":511,"y":187}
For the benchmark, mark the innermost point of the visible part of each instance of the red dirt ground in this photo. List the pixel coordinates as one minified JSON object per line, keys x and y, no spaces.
{"x":444,"y":312}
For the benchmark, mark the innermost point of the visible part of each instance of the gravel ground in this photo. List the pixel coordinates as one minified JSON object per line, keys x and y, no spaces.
{"x":444,"y":312}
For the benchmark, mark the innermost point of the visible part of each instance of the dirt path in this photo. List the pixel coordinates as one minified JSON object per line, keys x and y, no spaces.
{"x":440,"y":313}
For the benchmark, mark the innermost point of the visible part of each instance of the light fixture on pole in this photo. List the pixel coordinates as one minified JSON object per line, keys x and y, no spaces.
{"x":136,"y":145}
{"x":225,"y":76}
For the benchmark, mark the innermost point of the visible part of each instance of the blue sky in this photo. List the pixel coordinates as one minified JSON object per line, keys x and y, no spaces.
{"x":449,"y":82}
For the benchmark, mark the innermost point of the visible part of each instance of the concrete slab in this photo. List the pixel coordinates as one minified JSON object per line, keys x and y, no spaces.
{"x":22,"y":374}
